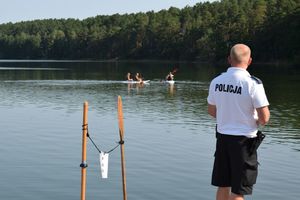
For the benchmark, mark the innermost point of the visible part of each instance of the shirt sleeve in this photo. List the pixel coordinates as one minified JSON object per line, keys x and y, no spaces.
{"x":210,"y":98}
{"x":259,"y":97}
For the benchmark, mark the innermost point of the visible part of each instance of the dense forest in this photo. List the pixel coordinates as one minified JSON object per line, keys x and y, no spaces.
{"x":203,"y":32}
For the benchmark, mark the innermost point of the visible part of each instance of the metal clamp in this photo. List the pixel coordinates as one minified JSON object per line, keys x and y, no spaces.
{"x":84,"y":164}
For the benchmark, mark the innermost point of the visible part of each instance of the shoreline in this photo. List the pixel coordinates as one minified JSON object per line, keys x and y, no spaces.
{"x":276,"y":63}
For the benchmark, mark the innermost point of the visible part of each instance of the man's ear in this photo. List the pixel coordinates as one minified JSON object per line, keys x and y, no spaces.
{"x":249,"y":61}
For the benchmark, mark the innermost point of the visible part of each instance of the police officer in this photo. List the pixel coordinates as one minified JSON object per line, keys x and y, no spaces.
{"x":238,"y":102}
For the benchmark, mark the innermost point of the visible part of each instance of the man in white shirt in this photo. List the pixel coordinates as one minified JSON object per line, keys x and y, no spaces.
{"x":238,"y":102}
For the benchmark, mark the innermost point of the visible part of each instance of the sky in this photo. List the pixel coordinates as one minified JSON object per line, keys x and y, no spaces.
{"x":25,"y":10}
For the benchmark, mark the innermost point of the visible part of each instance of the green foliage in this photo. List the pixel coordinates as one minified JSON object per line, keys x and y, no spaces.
{"x":203,"y":32}
{"x":280,"y":40}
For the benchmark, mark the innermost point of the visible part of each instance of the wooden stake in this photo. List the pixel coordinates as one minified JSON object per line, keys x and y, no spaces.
{"x":83,"y":164}
{"x":121,"y":131}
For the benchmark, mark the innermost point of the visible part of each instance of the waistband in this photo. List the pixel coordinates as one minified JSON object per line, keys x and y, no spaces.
{"x":220,"y":135}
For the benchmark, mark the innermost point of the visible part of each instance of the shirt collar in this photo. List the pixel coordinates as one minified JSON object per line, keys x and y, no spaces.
{"x":237,"y":69}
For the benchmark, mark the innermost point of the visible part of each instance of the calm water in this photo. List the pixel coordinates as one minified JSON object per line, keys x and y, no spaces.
{"x":169,"y":137}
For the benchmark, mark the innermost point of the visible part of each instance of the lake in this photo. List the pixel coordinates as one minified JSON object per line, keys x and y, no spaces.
{"x":169,"y":137}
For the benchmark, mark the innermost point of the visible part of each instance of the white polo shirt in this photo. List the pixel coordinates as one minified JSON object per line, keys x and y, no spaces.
{"x":236,"y":96}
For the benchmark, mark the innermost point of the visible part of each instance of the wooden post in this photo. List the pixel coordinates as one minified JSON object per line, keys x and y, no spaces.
{"x":121,"y":131}
{"x":83,"y":164}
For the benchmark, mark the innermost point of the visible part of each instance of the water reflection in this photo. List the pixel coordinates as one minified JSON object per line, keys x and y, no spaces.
{"x":171,"y":89}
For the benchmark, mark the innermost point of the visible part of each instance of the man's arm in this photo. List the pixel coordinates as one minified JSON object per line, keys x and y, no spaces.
{"x":212,"y":110}
{"x":263,"y":115}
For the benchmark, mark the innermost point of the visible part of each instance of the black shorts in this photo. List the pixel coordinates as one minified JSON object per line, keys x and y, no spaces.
{"x":234,"y":166}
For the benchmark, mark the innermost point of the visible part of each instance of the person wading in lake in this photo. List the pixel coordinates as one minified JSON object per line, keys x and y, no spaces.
{"x":238,"y":102}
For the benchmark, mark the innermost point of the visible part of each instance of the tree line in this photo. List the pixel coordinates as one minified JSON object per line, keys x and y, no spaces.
{"x":202,"y":32}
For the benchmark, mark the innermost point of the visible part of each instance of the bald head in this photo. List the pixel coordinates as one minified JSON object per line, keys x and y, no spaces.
{"x":240,"y":56}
